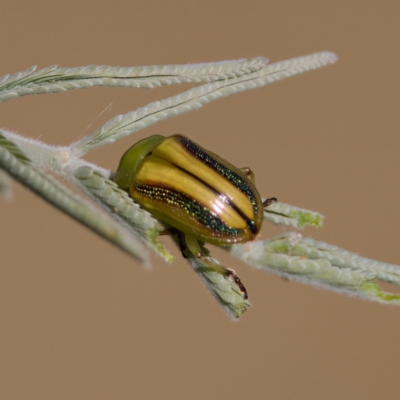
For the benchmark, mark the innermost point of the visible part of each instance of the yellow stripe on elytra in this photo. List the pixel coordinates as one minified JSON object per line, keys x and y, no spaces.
{"x":159,"y":172}
{"x":173,"y":151}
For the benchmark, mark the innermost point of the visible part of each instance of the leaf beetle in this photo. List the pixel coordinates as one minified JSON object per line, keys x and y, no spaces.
{"x":195,"y":192}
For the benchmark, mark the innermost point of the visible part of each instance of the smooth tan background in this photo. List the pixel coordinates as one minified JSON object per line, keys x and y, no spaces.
{"x":81,"y":320}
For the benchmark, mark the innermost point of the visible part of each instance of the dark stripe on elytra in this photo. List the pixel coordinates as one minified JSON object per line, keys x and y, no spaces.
{"x":190,"y":205}
{"x":230,"y":175}
{"x":250,"y":223}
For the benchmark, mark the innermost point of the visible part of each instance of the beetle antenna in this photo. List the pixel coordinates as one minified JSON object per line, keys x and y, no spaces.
{"x":269,"y":201}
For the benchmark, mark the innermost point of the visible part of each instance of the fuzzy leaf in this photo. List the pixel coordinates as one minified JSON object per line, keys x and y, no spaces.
{"x":122,"y":205}
{"x":285,"y":214}
{"x":20,"y":168}
{"x":320,"y":264}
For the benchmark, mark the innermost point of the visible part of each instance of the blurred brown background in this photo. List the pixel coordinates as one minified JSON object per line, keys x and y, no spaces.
{"x":81,"y":320}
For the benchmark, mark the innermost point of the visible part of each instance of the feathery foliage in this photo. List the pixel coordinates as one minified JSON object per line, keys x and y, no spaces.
{"x":111,"y":213}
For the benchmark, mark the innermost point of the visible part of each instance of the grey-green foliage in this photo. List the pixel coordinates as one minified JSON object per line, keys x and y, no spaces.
{"x":5,"y":186}
{"x":59,"y":195}
{"x":111,"y":213}
{"x":294,"y":257}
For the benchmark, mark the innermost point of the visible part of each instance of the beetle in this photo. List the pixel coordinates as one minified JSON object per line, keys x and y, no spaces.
{"x":195,"y":192}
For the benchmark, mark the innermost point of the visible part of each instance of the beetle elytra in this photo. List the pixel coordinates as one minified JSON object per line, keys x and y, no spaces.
{"x":192,"y":190}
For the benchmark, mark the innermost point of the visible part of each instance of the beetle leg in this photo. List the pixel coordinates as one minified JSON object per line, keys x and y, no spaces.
{"x":249,"y":173}
{"x":182,"y":245}
{"x":168,"y":231}
{"x":232,"y":274}
{"x":269,"y":201}
{"x":181,"y":239}
{"x":193,"y":246}
{"x":188,"y":243}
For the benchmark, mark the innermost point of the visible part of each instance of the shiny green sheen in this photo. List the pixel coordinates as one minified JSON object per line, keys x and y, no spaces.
{"x":228,"y":173}
{"x":190,"y":206}
{"x":132,"y":159}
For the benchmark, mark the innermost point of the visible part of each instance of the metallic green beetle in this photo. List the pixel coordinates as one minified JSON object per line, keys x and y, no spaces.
{"x":192,"y":190}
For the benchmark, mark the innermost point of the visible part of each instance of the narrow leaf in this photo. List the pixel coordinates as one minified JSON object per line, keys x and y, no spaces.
{"x":18,"y":166}
{"x":123,"y":125}
{"x":284,"y":214}
{"x":121,"y":204}
{"x":54,"y":80}
{"x":321,"y":264}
